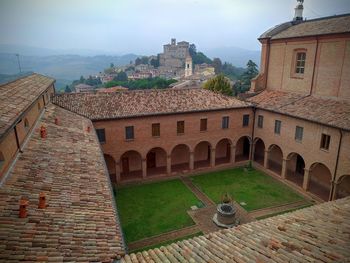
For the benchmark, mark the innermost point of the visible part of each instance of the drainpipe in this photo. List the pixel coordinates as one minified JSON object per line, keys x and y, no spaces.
{"x":313,"y":71}
{"x":17,"y":141}
{"x":337,"y":161}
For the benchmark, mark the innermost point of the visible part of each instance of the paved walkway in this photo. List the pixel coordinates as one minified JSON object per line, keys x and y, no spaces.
{"x":277,"y":209}
{"x":198,"y":193}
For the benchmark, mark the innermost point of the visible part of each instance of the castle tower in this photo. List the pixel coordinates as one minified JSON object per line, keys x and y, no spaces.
{"x":188,"y":67}
{"x":173,"y":41}
{"x":298,"y":16}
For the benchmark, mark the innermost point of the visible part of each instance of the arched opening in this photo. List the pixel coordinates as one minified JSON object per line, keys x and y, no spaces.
{"x":130,"y":165}
{"x":320,"y":181}
{"x":242,"y":149}
{"x":223,"y":152}
{"x":156,"y":161}
{"x":295,"y":169}
{"x":180,"y":158}
{"x":26,"y":124}
{"x":275,"y":159}
{"x":202,"y":154}
{"x":110,"y":163}
{"x":259,"y":151}
{"x":343,"y":187}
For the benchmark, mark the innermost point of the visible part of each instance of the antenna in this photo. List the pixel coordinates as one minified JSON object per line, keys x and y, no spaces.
{"x":19,"y":64}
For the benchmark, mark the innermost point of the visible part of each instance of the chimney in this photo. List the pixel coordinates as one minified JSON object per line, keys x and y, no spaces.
{"x":23,"y":203}
{"x":298,"y":16}
{"x":42,"y":200}
{"x":43,"y":132}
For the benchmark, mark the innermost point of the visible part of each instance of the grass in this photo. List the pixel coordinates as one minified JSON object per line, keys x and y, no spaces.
{"x":167,"y":242}
{"x":253,"y":187}
{"x":151,"y":209}
{"x":283,"y":212}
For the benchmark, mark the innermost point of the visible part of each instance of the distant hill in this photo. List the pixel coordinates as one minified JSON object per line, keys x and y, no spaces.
{"x":237,"y":56}
{"x":64,"y":68}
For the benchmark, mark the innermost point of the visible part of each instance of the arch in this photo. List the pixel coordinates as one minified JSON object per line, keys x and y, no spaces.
{"x":202,"y":154}
{"x":110,"y":163}
{"x":275,"y":159}
{"x":343,"y":187}
{"x":130,"y":165}
{"x":259,"y":151}
{"x":243,"y":149}
{"x":223,"y":151}
{"x":319,"y":180}
{"x":26,"y":124}
{"x":295,"y":167}
{"x":156,"y":159}
{"x":180,"y":158}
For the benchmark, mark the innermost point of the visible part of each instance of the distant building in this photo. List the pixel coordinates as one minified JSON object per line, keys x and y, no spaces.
{"x":83,"y":88}
{"x":112,"y":89}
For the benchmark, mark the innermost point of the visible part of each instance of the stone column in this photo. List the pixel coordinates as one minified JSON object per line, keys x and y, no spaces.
{"x":168,"y":164}
{"x":117,"y":172}
{"x":144,"y":168}
{"x":284,"y":168}
{"x":233,"y":153}
{"x":191,"y":161}
{"x":335,"y":189}
{"x":266,"y":159}
{"x":212,"y":157}
{"x":306,"y":179}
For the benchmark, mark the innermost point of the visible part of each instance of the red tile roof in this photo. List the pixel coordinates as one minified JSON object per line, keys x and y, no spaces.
{"x":145,"y":102}
{"x":18,"y":95}
{"x":321,"y":26}
{"x":80,"y":222}
{"x":328,"y":111}
{"x":316,"y":234}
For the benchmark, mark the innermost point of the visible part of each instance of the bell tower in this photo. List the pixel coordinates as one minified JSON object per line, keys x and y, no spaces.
{"x":188,"y":66}
{"x":298,"y":16}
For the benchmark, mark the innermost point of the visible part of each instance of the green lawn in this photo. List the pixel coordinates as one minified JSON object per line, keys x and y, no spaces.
{"x":253,"y":187}
{"x":151,"y":209}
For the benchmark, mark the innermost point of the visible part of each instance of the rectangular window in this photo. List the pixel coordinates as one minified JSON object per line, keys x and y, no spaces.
{"x":245,"y":120}
{"x":155,"y":129}
{"x":225,"y":122}
{"x":180,"y":127}
{"x":129,"y":132}
{"x":299,"y":133}
{"x":325,"y":141}
{"x":278,"y":125}
{"x":101,"y":135}
{"x":203,"y":125}
{"x":300,"y":62}
{"x":260,"y":121}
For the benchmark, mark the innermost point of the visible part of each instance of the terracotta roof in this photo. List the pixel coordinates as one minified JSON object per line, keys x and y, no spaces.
{"x":80,"y":222}
{"x":18,"y":95}
{"x":328,"y":111}
{"x":320,"y":26}
{"x":112,"y":89}
{"x":316,"y":234}
{"x":145,"y":102}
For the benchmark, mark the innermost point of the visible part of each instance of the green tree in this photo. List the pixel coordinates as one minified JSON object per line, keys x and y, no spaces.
{"x":192,"y":50}
{"x":219,"y":84}
{"x":245,"y":80}
{"x":217,"y":64}
{"x":112,"y":65}
{"x":137,"y":61}
{"x":121,"y":76}
{"x":82,"y":80}
{"x":67,"y":89}
{"x":144,"y":60}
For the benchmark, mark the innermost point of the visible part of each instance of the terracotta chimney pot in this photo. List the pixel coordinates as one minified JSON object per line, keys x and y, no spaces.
{"x":43,"y":132}
{"x":23,"y":203}
{"x":42,"y":200}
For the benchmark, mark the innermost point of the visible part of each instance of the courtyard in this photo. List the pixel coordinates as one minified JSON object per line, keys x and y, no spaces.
{"x":155,"y":213}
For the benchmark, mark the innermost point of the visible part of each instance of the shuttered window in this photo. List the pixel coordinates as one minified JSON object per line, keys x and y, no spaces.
{"x":203,"y":126}
{"x":225,"y":122}
{"x":260,"y":121}
{"x":180,"y":127}
{"x":101,"y":135}
{"x":155,"y":129}
{"x":278,"y":125}
{"x":129,"y":132}
{"x":245,"y":120}
{"x":325,"y":141}
{"x":299,"y":133}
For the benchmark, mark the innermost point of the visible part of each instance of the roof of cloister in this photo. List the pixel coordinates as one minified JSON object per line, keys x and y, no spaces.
{"x":318,"y":233}
{"x":139,"y":103}
{"x":328,"y":111}
{"x":16,"y":96}
{"x":80,"y":221}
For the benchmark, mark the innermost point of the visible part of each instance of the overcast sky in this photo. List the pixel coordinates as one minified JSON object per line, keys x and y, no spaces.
{"x":143,"y":26}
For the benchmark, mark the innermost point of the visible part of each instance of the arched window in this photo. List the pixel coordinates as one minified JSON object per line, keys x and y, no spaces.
{"x":2,"y":160}
{"x":26,"y":124}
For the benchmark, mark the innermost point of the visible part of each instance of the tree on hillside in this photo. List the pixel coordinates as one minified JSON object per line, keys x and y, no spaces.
{"x":192,"y":50}
{"x":82,"y":80}
{"x":144,"y":60}
{"x":155,"y":62}
{"x":121,"y":76}
{"x":217,"y":65}
{"x":67,"y":89}
{"x":137,"y":61}
{"x":112,"y":65}
{"x":219,"y":84}
{"x":244,"y":84}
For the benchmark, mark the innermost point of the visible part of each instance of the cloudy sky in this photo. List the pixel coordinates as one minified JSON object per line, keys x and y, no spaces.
{"x":142,"y":26}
